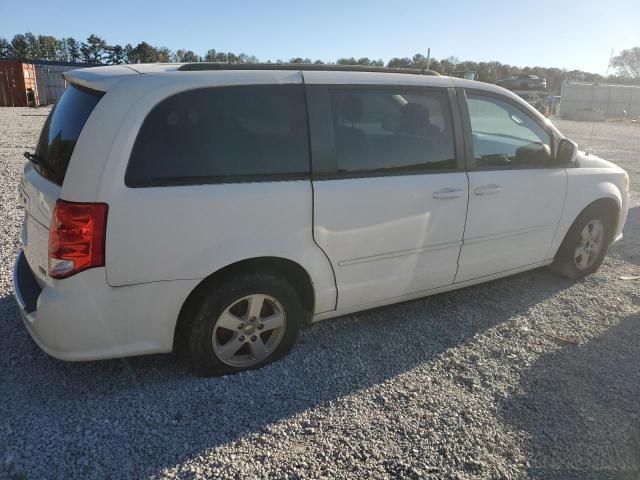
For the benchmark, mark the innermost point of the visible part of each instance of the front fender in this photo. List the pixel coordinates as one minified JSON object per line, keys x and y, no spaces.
{"x":585,"y":186}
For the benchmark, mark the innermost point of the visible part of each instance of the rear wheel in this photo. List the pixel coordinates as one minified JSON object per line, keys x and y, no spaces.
{"x":244,"y":322}
{"x":585,"y":245}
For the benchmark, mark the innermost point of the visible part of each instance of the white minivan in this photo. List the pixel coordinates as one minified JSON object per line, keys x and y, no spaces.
{"x":215,"y":209}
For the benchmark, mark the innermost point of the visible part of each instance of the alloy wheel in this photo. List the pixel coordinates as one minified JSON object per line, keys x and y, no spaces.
{"x":590,"y":244}
{"x":249,"y":330}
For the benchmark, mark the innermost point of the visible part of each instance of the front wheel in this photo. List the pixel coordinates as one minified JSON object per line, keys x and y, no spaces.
{"x":246,"y":321}
{"x":585,"y":245}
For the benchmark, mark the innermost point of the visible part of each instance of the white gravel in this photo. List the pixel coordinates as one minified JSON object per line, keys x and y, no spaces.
{"x":529,"y":376}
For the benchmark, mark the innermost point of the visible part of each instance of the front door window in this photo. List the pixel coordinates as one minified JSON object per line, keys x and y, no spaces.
{"x":506,"y":137}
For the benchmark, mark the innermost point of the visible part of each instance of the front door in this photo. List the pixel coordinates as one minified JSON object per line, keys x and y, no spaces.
{"x":390,"y":197}
{"x":516,"y":193}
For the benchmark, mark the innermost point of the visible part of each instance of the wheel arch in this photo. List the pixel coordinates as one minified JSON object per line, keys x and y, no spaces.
{"x":609,"y":203}
{"x":290,"y":270}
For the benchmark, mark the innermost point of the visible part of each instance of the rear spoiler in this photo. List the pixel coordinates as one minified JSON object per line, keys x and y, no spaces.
{"x":98,"y":78}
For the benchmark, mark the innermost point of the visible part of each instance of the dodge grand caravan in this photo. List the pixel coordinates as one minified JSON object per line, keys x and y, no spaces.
{"x":216,"y":209}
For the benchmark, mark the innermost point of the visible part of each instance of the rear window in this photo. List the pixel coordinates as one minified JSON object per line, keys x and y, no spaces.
{"x":392,"y":131}
{"x":223,"y":135}
{"x":62,"y":129}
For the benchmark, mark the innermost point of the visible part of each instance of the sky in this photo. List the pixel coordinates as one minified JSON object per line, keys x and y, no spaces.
{"x":577,"y":34}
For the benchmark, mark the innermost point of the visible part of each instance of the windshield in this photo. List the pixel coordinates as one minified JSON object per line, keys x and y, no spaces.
{"x":61,"y":131}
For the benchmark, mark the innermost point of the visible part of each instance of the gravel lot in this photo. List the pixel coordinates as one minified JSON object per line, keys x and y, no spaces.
{"x":530,"y":376}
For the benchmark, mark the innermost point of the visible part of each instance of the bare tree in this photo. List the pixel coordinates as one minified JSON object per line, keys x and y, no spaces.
{"x":627,"y":63}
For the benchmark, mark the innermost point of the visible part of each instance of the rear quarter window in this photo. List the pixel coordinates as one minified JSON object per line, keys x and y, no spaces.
{"x":62,"y":130}
{"x":223,"y":135}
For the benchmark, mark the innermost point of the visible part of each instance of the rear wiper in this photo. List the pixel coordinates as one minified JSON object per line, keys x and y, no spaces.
{"x":32,"y":157}
{"x":38,"y":161}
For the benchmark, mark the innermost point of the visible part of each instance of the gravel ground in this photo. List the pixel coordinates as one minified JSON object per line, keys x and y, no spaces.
{"x":530,"y":376}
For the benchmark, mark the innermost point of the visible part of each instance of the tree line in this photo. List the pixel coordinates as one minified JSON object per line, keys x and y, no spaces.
{"x":95,"y":50}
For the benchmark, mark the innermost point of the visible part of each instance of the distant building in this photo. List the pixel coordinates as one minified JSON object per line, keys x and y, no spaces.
{"x":608,"y":100}
{"x":51,"y":84}
{"x":33,"y":82}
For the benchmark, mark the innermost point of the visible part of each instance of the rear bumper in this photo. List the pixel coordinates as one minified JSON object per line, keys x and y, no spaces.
{"x":83,"y":318}
{"x":26,"y":291}
{"x":26,"y":288}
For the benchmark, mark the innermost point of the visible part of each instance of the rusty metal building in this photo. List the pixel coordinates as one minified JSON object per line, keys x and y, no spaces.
{"x":18,"y":85}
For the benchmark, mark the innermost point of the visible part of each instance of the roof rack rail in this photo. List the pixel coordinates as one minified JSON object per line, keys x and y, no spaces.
{"x":201,"y":66}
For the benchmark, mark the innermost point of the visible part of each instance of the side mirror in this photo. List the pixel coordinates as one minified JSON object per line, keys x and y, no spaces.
{"x":567,"y":152}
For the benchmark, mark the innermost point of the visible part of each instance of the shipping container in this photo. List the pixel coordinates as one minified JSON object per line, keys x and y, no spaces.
{"x":18,"y":84}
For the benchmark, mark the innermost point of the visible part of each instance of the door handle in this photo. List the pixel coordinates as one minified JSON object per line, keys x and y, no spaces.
{"x":448,"y":193}
{"x":490,"y":189}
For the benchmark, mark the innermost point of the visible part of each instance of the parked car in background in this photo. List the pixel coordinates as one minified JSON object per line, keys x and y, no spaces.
{"x":523,"y":82}
{"x":216,"y":210}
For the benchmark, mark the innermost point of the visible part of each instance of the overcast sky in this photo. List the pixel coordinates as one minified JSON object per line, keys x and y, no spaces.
{"x":565,"y":34}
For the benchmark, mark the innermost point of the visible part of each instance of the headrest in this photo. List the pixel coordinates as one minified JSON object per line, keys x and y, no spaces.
{"x":415,"y":119}
{"x":351,"y":108}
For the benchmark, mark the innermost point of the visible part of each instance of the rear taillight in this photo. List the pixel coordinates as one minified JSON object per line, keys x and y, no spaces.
{"x":77,"y":237}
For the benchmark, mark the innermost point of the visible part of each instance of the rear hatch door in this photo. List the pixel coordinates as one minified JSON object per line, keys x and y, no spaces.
{"x":42,"y":179}
{"x":39,"y":197}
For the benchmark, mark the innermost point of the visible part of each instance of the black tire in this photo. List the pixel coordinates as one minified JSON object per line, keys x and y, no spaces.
{"x":564,"y":263}
{"x":225,"y":293}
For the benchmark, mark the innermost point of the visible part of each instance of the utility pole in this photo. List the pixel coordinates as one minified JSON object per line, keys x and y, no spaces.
{"x":428,"y":57}
{"x":609,"y":64}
